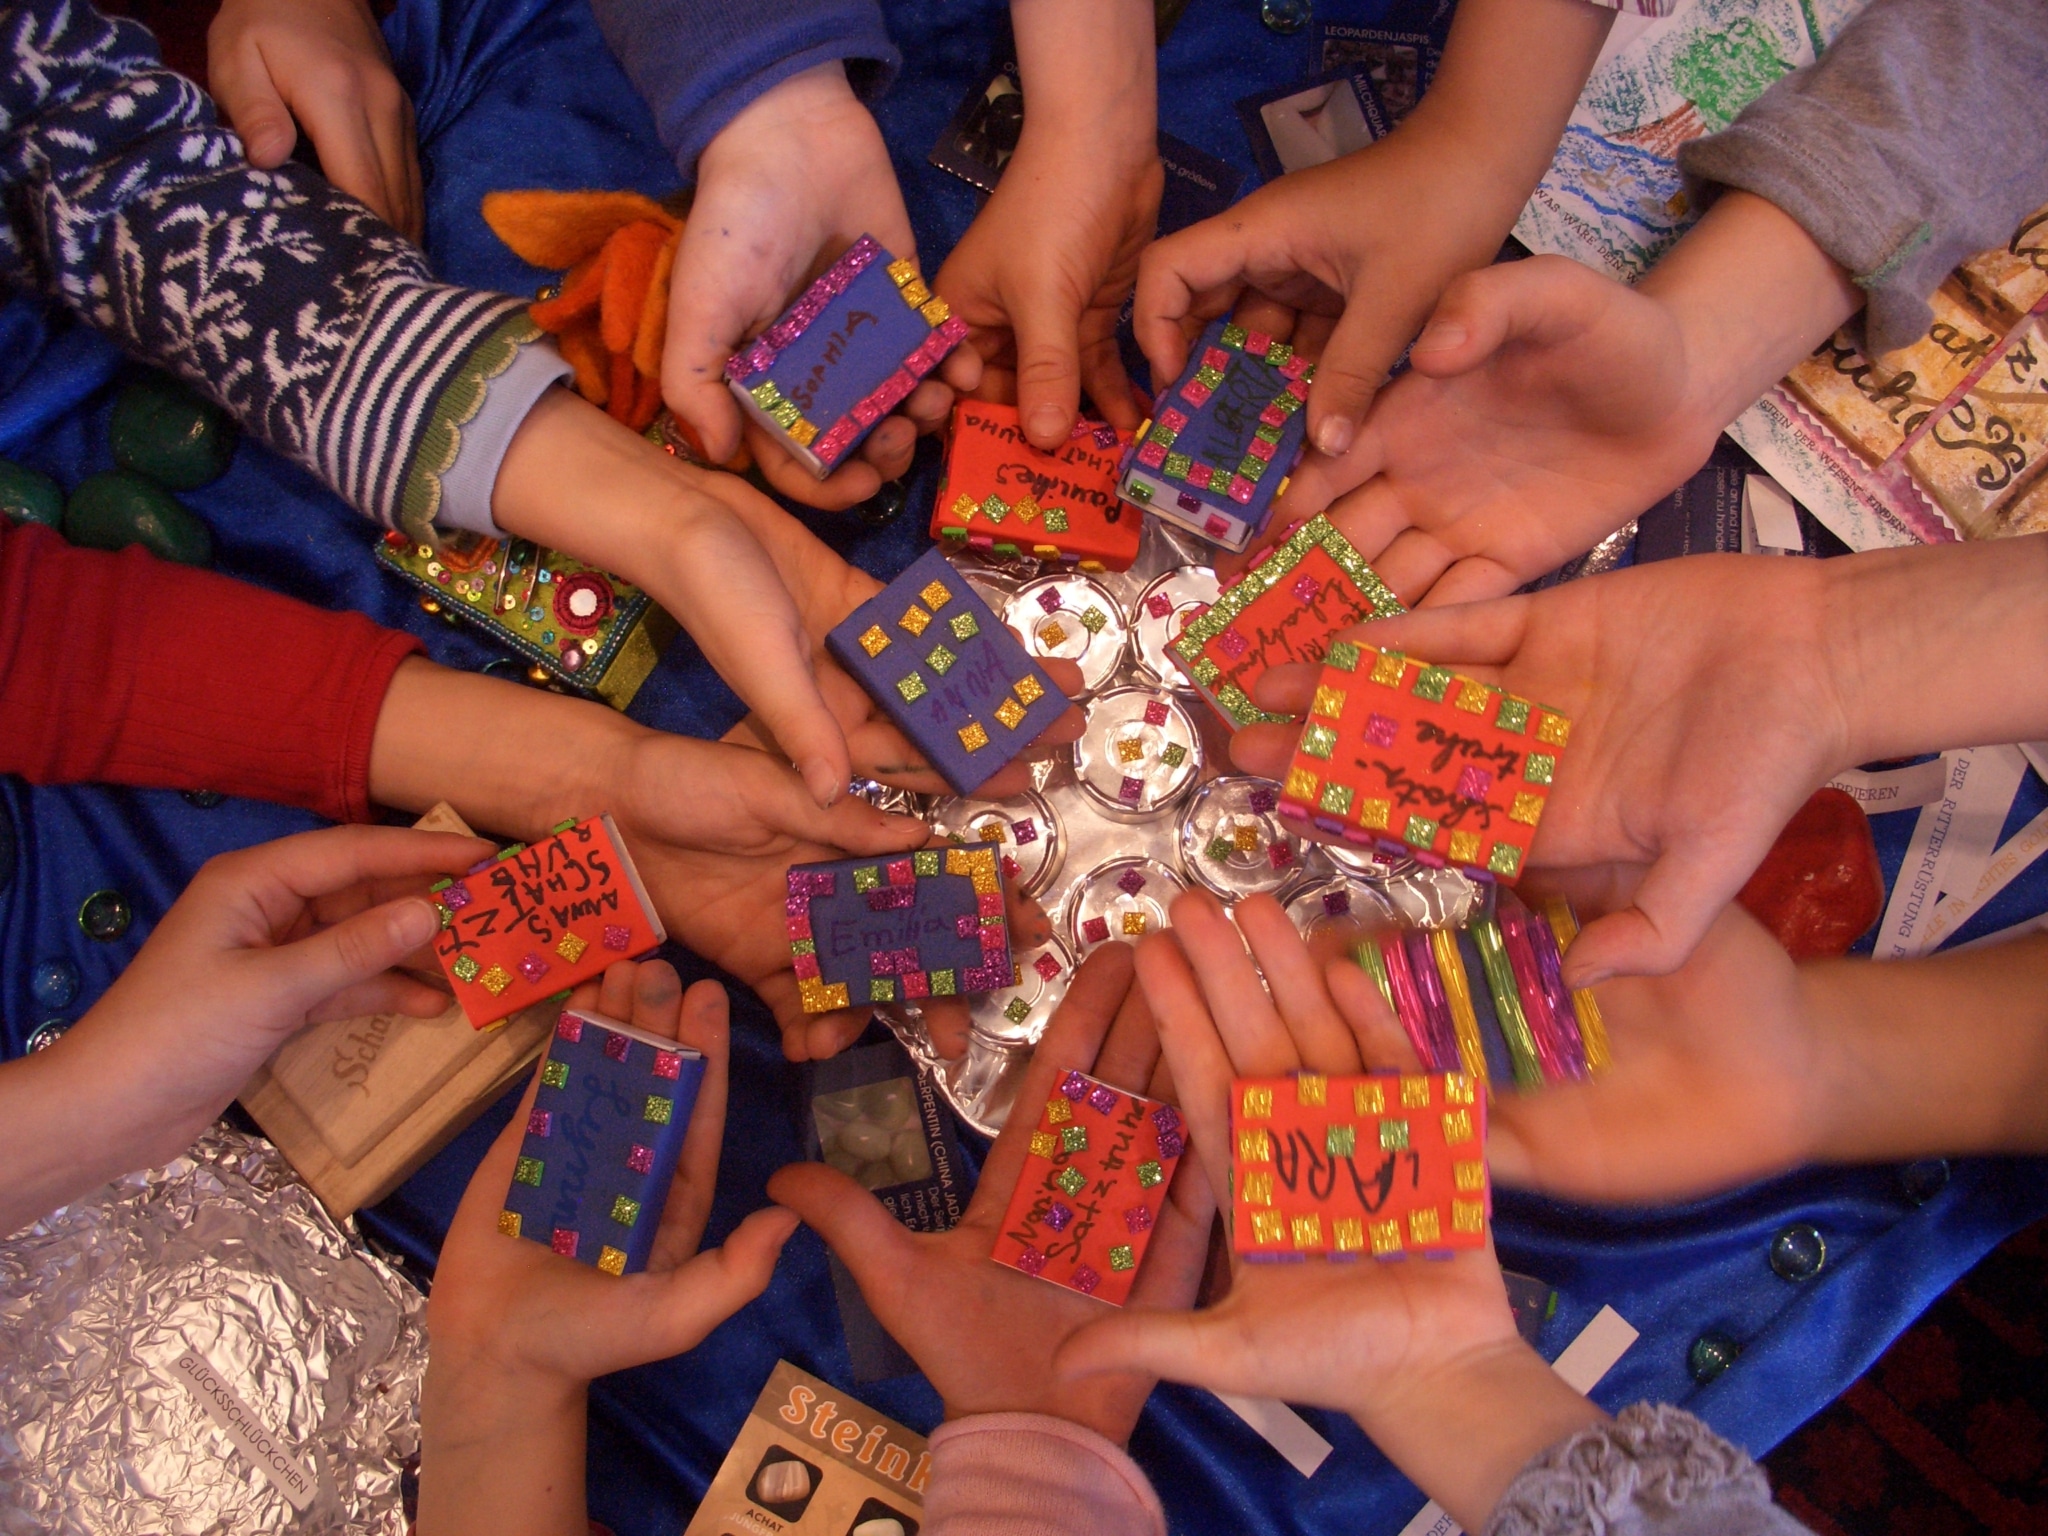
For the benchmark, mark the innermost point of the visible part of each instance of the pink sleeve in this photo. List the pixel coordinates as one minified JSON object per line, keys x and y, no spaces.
{"x":1027,"y":1474}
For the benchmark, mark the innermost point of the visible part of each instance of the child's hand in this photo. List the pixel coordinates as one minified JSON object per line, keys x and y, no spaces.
{"x":323,"y":63}
{"x":1423,"y":1354}
{"x":782,"y":191}
{"x":263,"y":942}
{"x":987,"y":1345}
{"x":1042,"y":273}
{"x":519,"y":1332}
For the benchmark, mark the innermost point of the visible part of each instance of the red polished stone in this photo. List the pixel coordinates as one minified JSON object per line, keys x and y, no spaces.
{"x":1819,"y":888}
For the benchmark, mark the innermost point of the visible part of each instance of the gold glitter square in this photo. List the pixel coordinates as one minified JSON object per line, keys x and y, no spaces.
{"x":495,"y":980}
{"x":914,"y":619}
{"x":508,"y":1223}
{"x":1385,"y":1236}
{"x":1011,"y":713}
{"x":1269,"y":1227}
{"x":1134,"y":923}
{"x":1312,"y":1089}
{"x":1129,"y":749}
{"x":1245,"y":839}
{"x":959,"y":861}
{"x":1458,"y":1127}
{"x":1052,"y":636}
{"x":1464,"y":848}
{"x":973,"y":737}
{"x":1387,"y":669}
{"x":1308,"y":1231}
{"x":1044,"y":1144}
{"x":1026,"y":508}
{"x":935,"y":596}
{"x":1373,"y":815}
{"x":1258,"y":1104}
{"x":1347,"y":1234}
{"x":1554,"y":730}
{"x":1368,"y":1099}
{"x":612,"y":1260}
{"x":1028,"y":689}
{"x":1460,"y":1089}
{"x":1473,"y":697}
{"x":1425,"y":1226}
{"x":1414,"y":1091}
{"x":1527,"y":809}
{"x":1329,"y":703}
{"x":963,"y":508}
{"x":1057,"y":1110}
{"x":936,"y":312}
{"x":901,"y":271}
{"x":1301,"y":784}
{"x":802,"y":433}
{"x":915,"y":294}
{"x":1254,"y":1146}
{"x":873,"y":641}
{"x":1467,"y":1216}
{"x":1258,"y":1187}
{"x":571,"y":948}
{"x":1469,"y":1174}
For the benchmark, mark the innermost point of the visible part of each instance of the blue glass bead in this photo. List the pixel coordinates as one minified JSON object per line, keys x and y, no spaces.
{"x":1921,"y":1182}
{"x":535,"y":614}
{"x":1286,"y":17}
{"x":45,"y":1034}
{"x":204,"y":799}
{"x":1711,"y":1354}
{"x":54,"y":983}
{"x":1798,"y":1252}
{"x":105,"y":916}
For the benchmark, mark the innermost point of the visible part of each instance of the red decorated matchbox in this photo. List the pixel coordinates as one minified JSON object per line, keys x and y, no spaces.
{"x":1343,"y":1166}
{"x":1308,"y":588}
{"x":1093,"y":1186}
{"x":1006,"y":497}
{"x":1421,"y":761}
{"x":538,"y":919}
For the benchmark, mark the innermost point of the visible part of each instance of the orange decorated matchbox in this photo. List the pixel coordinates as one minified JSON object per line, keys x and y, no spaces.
{"x":1092,"y":1188}
{"x":1343,"y":1166}
{"x":1003,"y":496}
{"x":1421,"y":761}
{"x":537,"y":920}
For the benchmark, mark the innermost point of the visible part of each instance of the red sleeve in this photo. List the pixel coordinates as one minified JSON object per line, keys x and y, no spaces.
{"x":126,"y":669}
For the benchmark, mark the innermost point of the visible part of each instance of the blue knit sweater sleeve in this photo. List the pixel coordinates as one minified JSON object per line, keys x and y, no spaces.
{"x":698,"y":63}
{"x":290,"y":304}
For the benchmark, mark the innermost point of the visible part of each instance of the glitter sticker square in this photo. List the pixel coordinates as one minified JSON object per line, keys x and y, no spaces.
{"x":912,"y":687}
{"x":914,"y":619}
{"x":1010,"y":713}
{"x":939,"y":659}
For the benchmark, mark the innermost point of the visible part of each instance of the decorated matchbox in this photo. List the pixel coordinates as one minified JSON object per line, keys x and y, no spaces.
{"x":1224,"y":437}
{"x":1284,"y":609}
{"x":601,"y":1143}
{"x":1092,"y":1188}
{"x":1343,"y":1166}
{"x":923,"y":924}
{"x":536,"y":920}
{"x":1421,"y":761}
{"x":844,"y":355}
{"x":947,"y":671}
{"x":1006,"y":497}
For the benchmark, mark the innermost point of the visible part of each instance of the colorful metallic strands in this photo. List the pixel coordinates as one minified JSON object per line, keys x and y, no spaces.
{"x":1489,"y":1000}
{"x":1285,"y":609}
{"x":1423,"y":762}
{"x":1342,"y":1166}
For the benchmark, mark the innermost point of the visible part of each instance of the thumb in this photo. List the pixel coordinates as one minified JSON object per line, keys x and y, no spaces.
{"x":1674,"y":906}
{"x":351,"y":952}
{"x":703,"y":1293}
{"x":1545,"y":298}
{"x":705,"y":326}
{"x":240,"y":82}
{"x":1350,"y":372}
{"x":871,"y":1243}
{"x":1171,"y":1346}
{"x":1047,"y":325}
{"x":778,"y":681}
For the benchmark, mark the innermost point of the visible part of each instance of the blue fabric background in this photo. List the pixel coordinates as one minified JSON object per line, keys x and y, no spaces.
{"x":522,"y":93}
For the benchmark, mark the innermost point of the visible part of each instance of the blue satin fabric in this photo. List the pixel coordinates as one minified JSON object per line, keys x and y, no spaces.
{"x":522,"y":93}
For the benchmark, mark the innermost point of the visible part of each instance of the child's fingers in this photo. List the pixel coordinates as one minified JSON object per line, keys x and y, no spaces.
{"x":1543,"y":299}
{"x":615,"y":992}
{"x":390,"y":992}
{"x":703,"y":1026}
{"x":1046,"y":320}
{"x":1194,"y":1052}
{"x":694,"y":1299}
{"x":283,"y":876}
{"x":307,"y":974}
{"x":1232,"y":993}
{"x":1412,"y":562}
{"x":705,"y":324}
{"x":1102,"y":371}
{"x":1474,"y":579}
{"x":1130,"y":1051}
{"x":1265,"y":750}
{"x":1290,"y":688}
{"x":1674,"y":907}
{"x":241,"y":83}
{"x":873,"y":1245}
{"x":1383,"y":1045}
{"x":1476,"y":635}
{"x":1368,"y":337}
{"x":1199,"y":267}
{"x":852,"y":483}
{"x":1192,"y":1347}
{"x":1296,"y":981}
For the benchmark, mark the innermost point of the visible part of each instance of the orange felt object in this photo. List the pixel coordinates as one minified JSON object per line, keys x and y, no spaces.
{"x":559,"y":229}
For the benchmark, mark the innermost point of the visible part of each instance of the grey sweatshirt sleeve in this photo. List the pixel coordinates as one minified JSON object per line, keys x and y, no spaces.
{"x":1914,"y":142}
{"x":1654,"y":1471}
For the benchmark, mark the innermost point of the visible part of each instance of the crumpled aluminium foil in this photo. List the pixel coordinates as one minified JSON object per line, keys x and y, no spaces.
{"x":225,"y":1253}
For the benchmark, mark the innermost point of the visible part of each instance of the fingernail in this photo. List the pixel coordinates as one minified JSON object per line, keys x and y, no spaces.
{"x":1047,"y":423}
{"x":1333,"y":437}
{"x":823,"y":783}
{"x":1590,"y":979}
{"x":1440,"y":336}
{"x":413,"y":923}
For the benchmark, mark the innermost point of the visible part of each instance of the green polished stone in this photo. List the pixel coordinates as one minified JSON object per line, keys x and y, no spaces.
{"x":30,"y":496}
{"x":163,"y":430}
{"x":115,"y":509}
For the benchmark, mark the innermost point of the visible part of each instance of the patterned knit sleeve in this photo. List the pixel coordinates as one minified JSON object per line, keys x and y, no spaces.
{"x":298,"y":310}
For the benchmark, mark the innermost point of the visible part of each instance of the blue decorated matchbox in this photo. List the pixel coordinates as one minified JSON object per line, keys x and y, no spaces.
{"x":602,"y":1141}
{"x":1223,"y":440}
{"x":948,"y":672}
{"x":925,"y":924}
{"x":844,"y":355}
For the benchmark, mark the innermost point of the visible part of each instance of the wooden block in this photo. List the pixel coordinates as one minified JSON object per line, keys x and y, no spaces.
{"x":1346,"y":1166}
{"x":1980,"y":454}
{"x":356,"y":1105}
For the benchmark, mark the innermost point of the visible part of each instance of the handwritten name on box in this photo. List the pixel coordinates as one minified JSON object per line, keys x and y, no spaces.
{"x":1003,"y":495}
